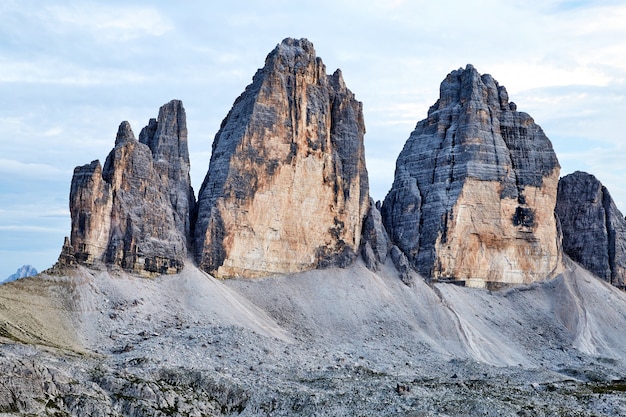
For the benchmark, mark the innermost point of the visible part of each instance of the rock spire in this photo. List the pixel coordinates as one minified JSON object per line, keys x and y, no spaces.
{"x":594,"y":230}
{"x":287,"y":187}
{"x":137,"y":210}
{"x":475,"y":189}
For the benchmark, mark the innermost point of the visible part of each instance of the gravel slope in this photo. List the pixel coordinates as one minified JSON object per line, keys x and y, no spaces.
{"x":330,"y":342}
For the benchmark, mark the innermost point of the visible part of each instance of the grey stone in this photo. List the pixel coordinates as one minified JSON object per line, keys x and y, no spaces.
{"x":471,"y":132}
{"x":166,"y":137}
{"x":136,"y":211}
{"x":401,"y":262}
{"x":594,"y":230}
{"x":375,"y":242}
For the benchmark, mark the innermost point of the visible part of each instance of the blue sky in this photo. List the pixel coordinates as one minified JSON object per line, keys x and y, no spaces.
{"x":71,"y":71}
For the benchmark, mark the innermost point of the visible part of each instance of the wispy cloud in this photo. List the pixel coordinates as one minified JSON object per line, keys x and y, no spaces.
{"x":31,"y":170}
{"x":30,"y":229}
{"x":49,"y":70}
{"x":106,"y":22}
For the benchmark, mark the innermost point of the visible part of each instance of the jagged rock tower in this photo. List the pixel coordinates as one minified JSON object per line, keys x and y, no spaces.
{"x":137,"y":211}
{"x":475,"y":189}
{"x":287,"y":187}
{"x":594,"y":230}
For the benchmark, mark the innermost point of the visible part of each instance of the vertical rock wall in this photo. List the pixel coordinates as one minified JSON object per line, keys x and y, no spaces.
{"x":594,"y":230}
{"x":475,"y":189}
{"x":287,"y":186}
{"x":137,"y":210}
{"x":166,"y":137}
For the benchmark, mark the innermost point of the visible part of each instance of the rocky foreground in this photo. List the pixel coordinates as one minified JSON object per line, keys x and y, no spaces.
{"x":340,"y":342}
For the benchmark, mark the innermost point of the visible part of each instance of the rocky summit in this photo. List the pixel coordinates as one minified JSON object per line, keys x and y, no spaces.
{"x":475,"y":189}
{"x":287,"y":187}
{"x":594,"y":230}
{"x":136,"y":211}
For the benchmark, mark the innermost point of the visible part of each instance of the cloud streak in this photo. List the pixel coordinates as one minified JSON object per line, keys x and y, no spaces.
{"x":106,"y":23}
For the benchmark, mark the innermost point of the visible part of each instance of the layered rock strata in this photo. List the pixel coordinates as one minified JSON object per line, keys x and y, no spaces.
{"x":287,"y":186}
{"x":475,"y":189}
{"x":594,"y":230}
{"x":137,"y":210}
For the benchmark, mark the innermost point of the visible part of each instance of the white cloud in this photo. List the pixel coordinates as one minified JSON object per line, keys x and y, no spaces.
{"x":107,"y":22}
{"x":49,"y":70}
{"x":30,"y":229}
{"x":53,"y":131}
{"x":18,"y":169}
{"x":531,"y":75}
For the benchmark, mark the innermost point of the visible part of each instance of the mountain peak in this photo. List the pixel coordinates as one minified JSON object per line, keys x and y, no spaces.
{"x":137,"y":211}
{"x":594,"y":230}
{"x":22,"y":272}
{"x":124,"y":134}
{"x":475,"y":187}
{"x":467,"y":85}
{"x":287,"y":187}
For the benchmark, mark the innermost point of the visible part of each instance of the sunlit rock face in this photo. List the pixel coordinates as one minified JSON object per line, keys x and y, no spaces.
{"x":136,"y":211}
{"x":287,"y":186}
{"x":594,"y":230}
{"x":475,"y":188}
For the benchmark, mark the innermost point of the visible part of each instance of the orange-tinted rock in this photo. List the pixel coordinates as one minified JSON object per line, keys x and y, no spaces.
{"x":475,"y":189}
{"x":287,"y":187}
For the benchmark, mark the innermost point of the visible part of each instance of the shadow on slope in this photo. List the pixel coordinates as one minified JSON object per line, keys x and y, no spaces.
{"x":532,"y":325}
{"x":85,"y":309}
{"x":372,"y":314}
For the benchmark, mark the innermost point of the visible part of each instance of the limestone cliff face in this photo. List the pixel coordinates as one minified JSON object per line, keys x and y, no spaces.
{"x":166,"y":137}
{"x":375,"y":243}
{"x":475,"y":189}
{"x":137,"y":210}
{"x":594,"y":230}
{"x":287,"y":187}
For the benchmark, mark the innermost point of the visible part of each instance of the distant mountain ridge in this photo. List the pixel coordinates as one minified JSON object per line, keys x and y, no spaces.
{"x":22,"y":272}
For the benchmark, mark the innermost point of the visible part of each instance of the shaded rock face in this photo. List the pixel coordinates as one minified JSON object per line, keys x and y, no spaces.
{"x":475,"y":189}
{"x":287,"y":186}
{"x":137,"y":210}
{"x":375,"y":243}
{"x":594,"y":230}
